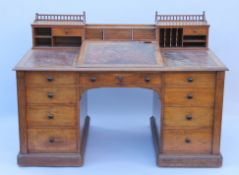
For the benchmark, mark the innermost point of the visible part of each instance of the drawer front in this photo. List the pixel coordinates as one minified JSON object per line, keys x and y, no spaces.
{"x":187,"y":141}
{"x":190,"y":79}
{"x":45,"y":79}
{"x":45,"y":116}
{"x":187,"y":117}
{"x":120,"y":79}
{"x":52,"y":140}
{"x":189,"y":97}
{"x":195,"y":31}
{"x":51,"y":95}
{"x":67,"y":32}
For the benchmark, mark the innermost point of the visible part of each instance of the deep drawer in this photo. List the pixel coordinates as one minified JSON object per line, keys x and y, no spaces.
{"x":189,"y":97}
{"x":187,"y":141}
{"x":187,"y":117}
{"x":46,"y":116}
{"x":52,"y":140}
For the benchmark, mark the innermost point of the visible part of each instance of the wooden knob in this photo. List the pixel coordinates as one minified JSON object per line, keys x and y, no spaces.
{"x":190,"y":79}
{"x":189,"y":117}
{"x":50,"y":95}
{"x":190,"y":96}
{"x":93,"y":79}
{"x":120,"y":78}
{"x":51,"y":140}
{"x":187,"y":140}
{"x":147,"y":79}
{"x":50,"y":79}
{"x":50,"y":116}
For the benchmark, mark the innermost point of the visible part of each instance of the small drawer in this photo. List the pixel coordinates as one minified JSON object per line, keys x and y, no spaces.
{"x":195,"y":31}
{"x":52,"y":95}
{"x":45,"y":79}
{"x":46,"y":116}
{"x":189,"y":97}
{"x":52,"y":140}
{"x":67,"y":32}
{"x":187,"y":117}
{"x":190,"y":79}
{"x":120,"y":79}
{"x":187,"y":141}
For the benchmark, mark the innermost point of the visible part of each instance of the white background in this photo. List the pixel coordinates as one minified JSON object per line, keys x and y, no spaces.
{"x":120,"y":139}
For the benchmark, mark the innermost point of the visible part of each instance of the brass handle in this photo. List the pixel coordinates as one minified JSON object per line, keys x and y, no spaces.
{"x":187,"y":140}
{"x":50,"y":95}
{"x":93,"y":79}
{"x":50,"y":116}
{"x":120,"y":78}
{"x":147,"y":79}
{"x":51,"y":140}
{"x":190,"y":96}
{"x":190,"y":79}
{"x":50,"y":79}
{"x":189,"y":117}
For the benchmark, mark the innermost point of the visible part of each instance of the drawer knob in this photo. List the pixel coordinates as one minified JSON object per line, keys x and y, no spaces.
{"x":190,"y":79}
{"x":120,"y":78}
{"x":50,"y":79}
{"x":187,"y":140}
{"x":51,"y":140}
{"x":190,"y":96}
{"x":93,"y":79}
{"x":189,"y":117}
{"x":147,"y":79}
{"x":50,"y":95}
{"x":50,"y":116}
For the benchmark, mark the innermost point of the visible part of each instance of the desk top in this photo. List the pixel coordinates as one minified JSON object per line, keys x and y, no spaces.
{"x":119,"y":56}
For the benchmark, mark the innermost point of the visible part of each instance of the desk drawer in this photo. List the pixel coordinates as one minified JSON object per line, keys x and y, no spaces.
{"x":189,"y":96}
{"x":45,"y":79}
{"x":190,"y":79}
{"x":45,"y":116}
{"x":52,"y":95}
{"x":120,"y":79}
{"x":187,"y":141}
{"x":195,"y":30}
{"x":67,"y":32}
{"x":187,"y":117}
{"x":52,"y":140}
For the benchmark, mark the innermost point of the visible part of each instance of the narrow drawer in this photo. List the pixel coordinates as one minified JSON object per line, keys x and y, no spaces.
{"x":67,"y":32}
{"x":52,"y":95}
{"x":195,"y":31}
{"x":189,"y":97}
{"x":187,"y":141}
{"x":187,"y":117}
{"x":46,"y":116}
{"x":190,"y":79}
{"x":52,"y":140}
{"x":120,"y":79}
{"x":45,"y":79}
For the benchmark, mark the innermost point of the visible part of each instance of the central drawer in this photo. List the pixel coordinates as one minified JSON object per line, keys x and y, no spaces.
{"x":120,"y":79}
{"x":51,"y":116}
{"x":187,"y":141}
{"x":52,"y":95}
{"x":52,"y":140}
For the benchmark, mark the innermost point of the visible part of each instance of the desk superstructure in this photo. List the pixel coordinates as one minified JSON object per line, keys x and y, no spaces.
{"x":69,"y":57}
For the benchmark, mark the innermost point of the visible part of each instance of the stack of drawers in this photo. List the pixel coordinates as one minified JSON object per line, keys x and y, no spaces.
{"x":188,"y":113}
{"x":51,"y":112}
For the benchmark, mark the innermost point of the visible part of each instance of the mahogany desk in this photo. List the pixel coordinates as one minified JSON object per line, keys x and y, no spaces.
{"x":70,"y":57}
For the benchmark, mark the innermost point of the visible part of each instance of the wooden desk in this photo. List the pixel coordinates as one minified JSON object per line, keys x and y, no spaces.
{"x":53,"y":81}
